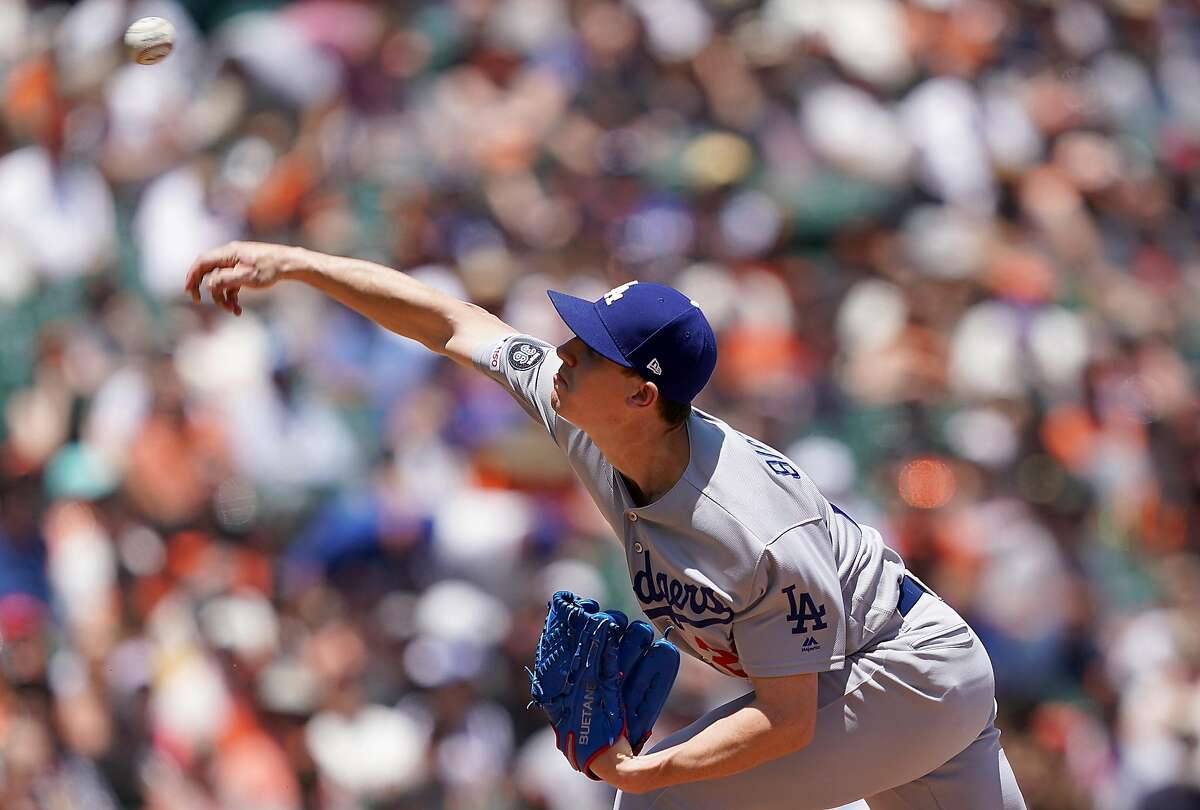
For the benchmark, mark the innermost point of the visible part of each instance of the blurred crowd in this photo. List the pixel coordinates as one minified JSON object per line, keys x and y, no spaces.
{"x":292,"y":561}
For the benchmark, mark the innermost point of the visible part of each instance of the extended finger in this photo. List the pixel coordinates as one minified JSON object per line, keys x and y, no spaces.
{"x":218,"y":297}
{"x":229,"y":300}
{"x":229,"y":283}
{"x":224,"y":256}
{"x":220,"y":284}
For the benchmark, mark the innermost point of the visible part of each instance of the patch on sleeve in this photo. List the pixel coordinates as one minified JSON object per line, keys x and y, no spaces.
{"x":523,"y":355}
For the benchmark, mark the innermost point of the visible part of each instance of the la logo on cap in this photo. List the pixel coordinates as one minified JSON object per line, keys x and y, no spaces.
{"x":616,"y":293}
{"x":656,"y":330}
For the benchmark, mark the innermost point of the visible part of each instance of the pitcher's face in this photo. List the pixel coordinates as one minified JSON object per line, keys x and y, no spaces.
{"x":589,"y":389}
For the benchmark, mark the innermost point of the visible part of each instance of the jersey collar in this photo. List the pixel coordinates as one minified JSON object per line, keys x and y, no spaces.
{"x":680,"y":500}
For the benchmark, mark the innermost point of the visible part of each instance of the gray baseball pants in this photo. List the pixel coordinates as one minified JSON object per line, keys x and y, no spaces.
{"x":907,"y":724}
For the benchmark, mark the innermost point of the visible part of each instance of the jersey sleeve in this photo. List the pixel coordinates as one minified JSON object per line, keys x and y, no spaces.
{"x":798,"y":624}
{"x":526,"y":366}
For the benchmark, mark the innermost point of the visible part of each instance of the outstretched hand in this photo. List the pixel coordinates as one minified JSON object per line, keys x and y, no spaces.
{"x":225,"y":270}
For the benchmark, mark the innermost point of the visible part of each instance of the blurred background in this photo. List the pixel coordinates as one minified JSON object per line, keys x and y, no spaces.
{"x":292,"y":561}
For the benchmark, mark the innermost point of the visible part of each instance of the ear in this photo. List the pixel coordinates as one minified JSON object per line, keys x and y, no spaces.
{"x":644,"y":396}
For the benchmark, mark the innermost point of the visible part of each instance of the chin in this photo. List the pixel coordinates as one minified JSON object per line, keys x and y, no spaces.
{"x":564,"y":413}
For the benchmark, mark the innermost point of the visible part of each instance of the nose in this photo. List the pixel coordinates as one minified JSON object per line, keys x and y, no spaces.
{"x":566,"y":355}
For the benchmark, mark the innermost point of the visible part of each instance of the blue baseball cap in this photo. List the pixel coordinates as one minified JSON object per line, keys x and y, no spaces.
{"x":651,"y":328}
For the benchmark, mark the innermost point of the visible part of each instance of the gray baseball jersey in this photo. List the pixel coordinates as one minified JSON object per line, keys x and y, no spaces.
{"x":743,"y":560}
{"x":756,"y":574}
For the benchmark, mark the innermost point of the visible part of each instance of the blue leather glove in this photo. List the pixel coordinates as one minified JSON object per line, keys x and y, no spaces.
{"x":576,"y":678}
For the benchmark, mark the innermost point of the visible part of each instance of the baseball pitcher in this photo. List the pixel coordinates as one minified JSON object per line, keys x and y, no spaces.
{"x":862,"y":683}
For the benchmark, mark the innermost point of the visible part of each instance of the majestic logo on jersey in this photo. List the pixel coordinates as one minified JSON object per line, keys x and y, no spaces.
{"x":655,"y":366}
{"x":686,"y":603}
{"x":523,"y":355}
{"x":810,"y":645}
{"x":616,"y":293}
{"x":804,"y":610}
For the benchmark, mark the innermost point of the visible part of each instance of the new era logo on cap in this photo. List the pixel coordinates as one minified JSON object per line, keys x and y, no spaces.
{"x":649,"y":327}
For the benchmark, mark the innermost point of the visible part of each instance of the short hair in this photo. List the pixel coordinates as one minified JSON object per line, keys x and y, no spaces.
{"x":672,"y":412}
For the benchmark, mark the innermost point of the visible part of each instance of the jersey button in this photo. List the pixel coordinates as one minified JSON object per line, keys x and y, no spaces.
{"x":637,"y":548}
{"x":633,"y":517}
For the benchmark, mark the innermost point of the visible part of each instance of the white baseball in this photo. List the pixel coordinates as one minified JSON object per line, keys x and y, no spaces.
{"x":150,"y":39}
